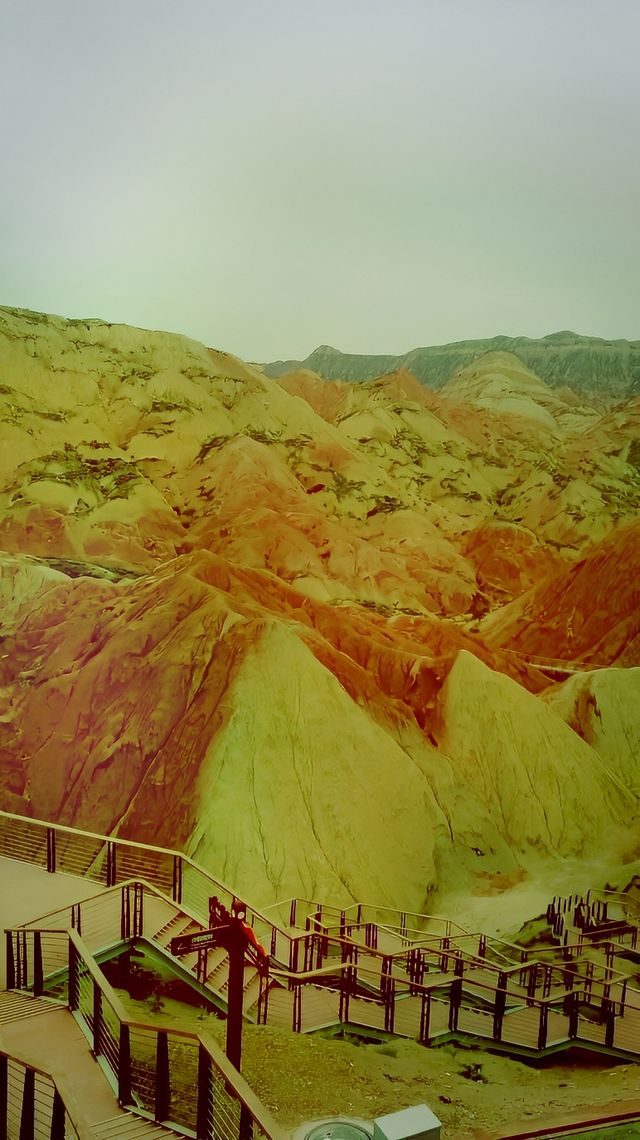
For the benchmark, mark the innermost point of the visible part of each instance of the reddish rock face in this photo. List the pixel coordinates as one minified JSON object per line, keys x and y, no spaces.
{"x":295,"y":627}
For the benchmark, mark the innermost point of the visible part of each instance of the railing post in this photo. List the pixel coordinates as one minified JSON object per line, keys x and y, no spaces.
{"x":263,"y":998}
{"x":76,"y":917}
{"x":623,"y":997}
{"x":499,"y":1006}
{"x":297,"y":1008}
{"x":455,"y":995}
{"x":28,"y":1114}
{"x":546,"y":987}
{"x":11,"y":964}
{"x":125,"y":913}
{"x":4,"y":1094}
{"x":574,"y":1012}
{"x":412,"y":965}
{"x":425,"y":1017}
{"x":112,"y":871}
{"x":421,"y":968}
{"x":124,"y":1065}
{"x":609,"y":1010}
{"x":138,"y":910}
{"x":163,"y":1088}
{"x":74,"y":979}
{"x":97,"y":1019}
{"x":444,"y":959}
{"x":176,"y":886}
{"x":308,"y":952}
{"x":22,"y":964}
{"x":246,"y":1123}
{"x":542,"y":1026}
{"x":386,"y":970}
{"x":51,"y":850}
{"x":38,"y":974}
{"x":532,"y":984}
{"x":204,"y":1112}
{"x":58,"y":1129}
{"x":345,"y":992}
{"x":390,"y":1005}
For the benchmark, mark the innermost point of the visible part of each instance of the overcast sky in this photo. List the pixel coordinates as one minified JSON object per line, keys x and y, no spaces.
{"x":270,"y":175}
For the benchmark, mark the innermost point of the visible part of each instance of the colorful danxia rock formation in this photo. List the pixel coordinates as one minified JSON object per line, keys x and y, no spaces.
{"x":342,"y":639}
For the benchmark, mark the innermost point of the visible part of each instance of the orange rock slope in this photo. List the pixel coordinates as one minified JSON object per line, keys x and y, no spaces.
{"x":294,"y":627}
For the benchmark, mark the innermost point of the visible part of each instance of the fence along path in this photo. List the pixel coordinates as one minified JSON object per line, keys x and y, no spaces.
{"x":429,"y":983}
{"x":141,"y":1066}
{"x":32,"y":1032}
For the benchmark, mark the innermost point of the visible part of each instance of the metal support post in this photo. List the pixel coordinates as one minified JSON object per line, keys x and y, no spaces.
{"x":163,"y":1088}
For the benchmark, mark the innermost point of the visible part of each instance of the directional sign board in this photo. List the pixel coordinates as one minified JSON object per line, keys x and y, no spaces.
{"x":202,"y":940}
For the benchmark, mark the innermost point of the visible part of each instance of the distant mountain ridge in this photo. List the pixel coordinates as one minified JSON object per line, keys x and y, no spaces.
{"x":588,"y":365}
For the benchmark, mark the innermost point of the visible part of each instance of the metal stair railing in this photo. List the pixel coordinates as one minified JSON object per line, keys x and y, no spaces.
{"x":325,"y":954}
{"x":630,"y":905}
{"x":42,"y":843}
{"x":161,"y":1073}
{"x":111,"y":861}
{"x":350,"y":992}
{"x":101,"y":925}
{"x":34,"y":1102}
{"x":426,"y":1012}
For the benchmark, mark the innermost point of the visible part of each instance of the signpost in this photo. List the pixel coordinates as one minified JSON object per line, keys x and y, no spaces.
{"x":203,"y":940}
{"x":229,"y":930}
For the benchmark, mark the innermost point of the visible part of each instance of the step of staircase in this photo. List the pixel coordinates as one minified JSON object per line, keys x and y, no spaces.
{"x":15,"y":1006}
{"x":127,"y":1126}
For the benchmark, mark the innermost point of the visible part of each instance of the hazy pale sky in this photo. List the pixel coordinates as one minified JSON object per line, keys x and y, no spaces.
{"x":270,"y":175}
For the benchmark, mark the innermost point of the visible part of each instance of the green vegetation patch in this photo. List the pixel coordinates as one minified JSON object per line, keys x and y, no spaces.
{"x":212,"y":443}
{"x":107,"y":476}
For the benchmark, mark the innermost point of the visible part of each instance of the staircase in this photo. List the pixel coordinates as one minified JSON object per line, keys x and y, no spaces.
{"x":427,"y":986}
{"x":414,"y":975}
{"x":104,"y":927}
{"x":33,"y":1093}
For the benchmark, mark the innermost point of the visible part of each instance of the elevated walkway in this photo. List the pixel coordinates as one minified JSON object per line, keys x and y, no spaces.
{"x":35,"y":1031}
{"x":369,"y":969}
{"x":82,"y":1074}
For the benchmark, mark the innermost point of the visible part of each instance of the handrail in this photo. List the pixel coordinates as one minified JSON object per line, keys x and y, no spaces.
{"x":350,"y":957}
{"x":120,"y":842}
{"x":73,"y":831}
{"x":116,"y":1052}
{"x":81,"y":1127}
{"x":351,"y":953}
{"x":501,"y":1003}
{"x":279,"y":935}
{"x":616,"y":896}
{"x":34,"y":923}
{"x":97,"y":974}
{"x":259,"y":1112}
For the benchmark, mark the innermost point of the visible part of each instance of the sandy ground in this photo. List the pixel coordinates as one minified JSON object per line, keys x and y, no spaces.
{"x":303,"y":1078}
